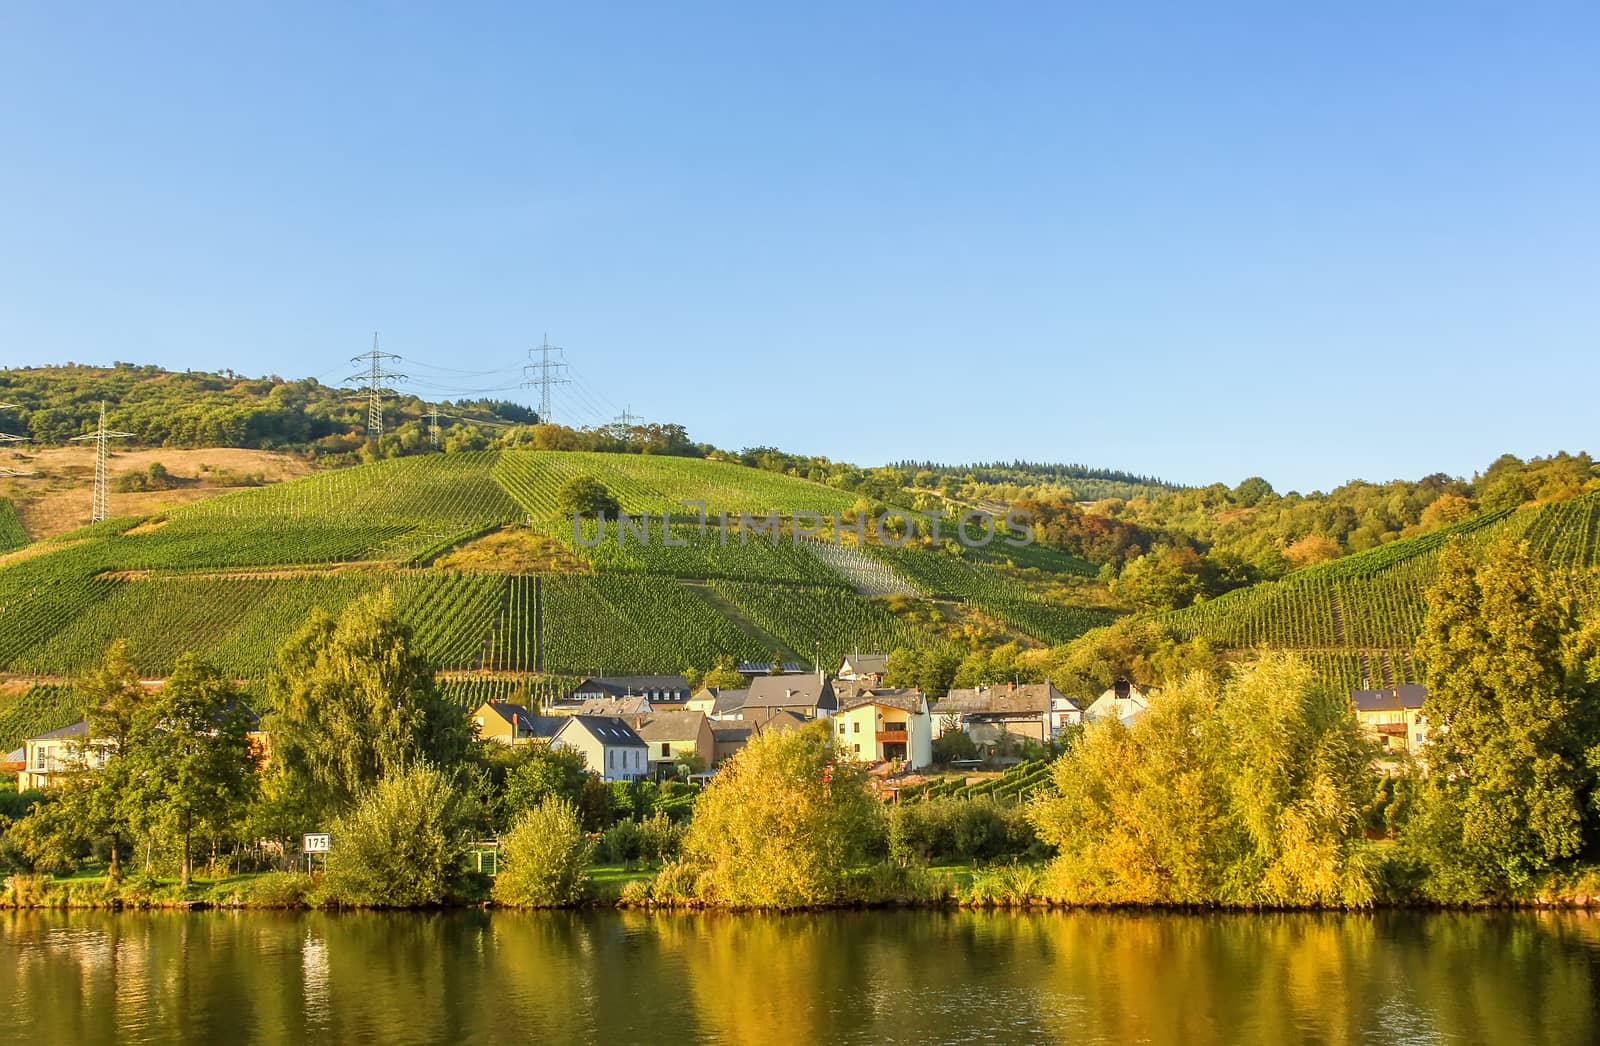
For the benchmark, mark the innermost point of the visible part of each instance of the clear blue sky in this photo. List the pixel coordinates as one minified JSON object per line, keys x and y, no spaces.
{"x":1199,"y":241}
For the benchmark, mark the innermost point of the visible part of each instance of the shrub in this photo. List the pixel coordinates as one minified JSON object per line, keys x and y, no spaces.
{"x":622,"y":843}
{"x":545,"y":858}
{"x":402,"y":845}
{"x":660,"y":838}
{"x":280,"y":890}
{"x":954,"y":744}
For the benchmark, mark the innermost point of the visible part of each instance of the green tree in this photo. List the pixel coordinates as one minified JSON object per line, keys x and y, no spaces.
{"x":1510,"y":761}
{"x":587,"y":496}
{"x":782,"y":823}
{"x":725,"y":675}
{"x":402,"y":845}
{"x":194,"y":743}
{"x":106,"y":803}
{"x":356,"y":700}
{"x":540,"y":775}
{"x":544,"y":858}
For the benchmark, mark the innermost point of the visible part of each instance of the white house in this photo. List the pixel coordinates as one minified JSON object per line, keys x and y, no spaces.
{"x":609,"y":745}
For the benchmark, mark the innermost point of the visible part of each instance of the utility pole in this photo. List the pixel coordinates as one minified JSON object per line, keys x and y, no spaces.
{"x":374,"y":377}
{"x":545,"y":374}
{"x":101,"y":437}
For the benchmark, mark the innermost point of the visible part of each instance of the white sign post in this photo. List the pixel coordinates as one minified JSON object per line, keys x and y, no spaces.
{"x":315,"y":843}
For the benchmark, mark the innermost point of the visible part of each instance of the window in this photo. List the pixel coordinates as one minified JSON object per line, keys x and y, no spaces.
{"x":611,"y":758}
{"x":858,"y":749}
{"x":841,"y":726}
{"x":666,"y":749}
{"x":858,"y":730}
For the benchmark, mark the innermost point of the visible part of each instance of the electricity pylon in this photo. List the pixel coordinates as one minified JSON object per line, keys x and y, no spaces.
{"x":101,"y":437}
{"x":433,"y":425}
{"x":544,"y":375}
{"x":374,"y":376}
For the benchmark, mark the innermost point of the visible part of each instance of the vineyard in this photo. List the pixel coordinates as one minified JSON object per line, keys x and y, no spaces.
{"x":11,"y":533}
{"x":37,"y":710}
{"x":1358,"y":618}
{"x":233,"y":576}
{"x":1017,"y":785}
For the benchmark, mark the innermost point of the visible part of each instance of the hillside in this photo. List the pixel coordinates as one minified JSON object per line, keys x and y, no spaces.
{"x":451,"y":535}
{"x":1358,"y":617}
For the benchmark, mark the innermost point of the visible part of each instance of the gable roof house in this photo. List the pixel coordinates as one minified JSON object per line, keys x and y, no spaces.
{"x":860,"y":666}
{"x":1033,"y":711}
{"x":618,"y":706}
{"x":609,"y":745}
{"x":718,"y":702}
{"x":57,"y":751}
{"x":659,"y":689}
{"x":881,"y":725}
{"x":671,"y":735}
{"x":729,"y":735}
{"x":1394,"y":718}
{"x":512,"y":724}
{"x":1122,"y":701}
{"x":806,"y":695}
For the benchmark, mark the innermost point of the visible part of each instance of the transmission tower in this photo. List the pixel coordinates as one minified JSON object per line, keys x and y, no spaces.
{"x":374,"y":377}
{"x":433,"y":426}
{"x":102,"y":437}
{"x":626,"y":418}
{"x":545,"y":374}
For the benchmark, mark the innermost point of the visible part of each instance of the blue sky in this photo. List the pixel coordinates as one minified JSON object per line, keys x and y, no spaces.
{"x":1198,"y":241}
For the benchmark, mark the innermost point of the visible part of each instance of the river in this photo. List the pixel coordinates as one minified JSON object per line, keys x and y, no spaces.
{"x":855,"y":977}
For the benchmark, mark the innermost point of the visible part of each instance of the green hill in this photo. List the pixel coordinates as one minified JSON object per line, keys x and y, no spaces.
{"x":1358,"y":617}
{"x":231,"y":576}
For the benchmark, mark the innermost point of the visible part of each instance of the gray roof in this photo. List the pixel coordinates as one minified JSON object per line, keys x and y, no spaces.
{"x":868,"y":664}
{"x":732,"y":729}
{"x":17,"y":756}
{"x":782,"y":722}
{"x":610,"y":730}
{"x":622,"y":686}
{"x":635,"y":705}
{"x":796,"y":690}
{"x":671,"y":726}
{"x":1022,"y":699}
{"x":1407,"y":695}
{"x":724,"y":700}
{"x":78,"y":729}
{"x":906,"y":700}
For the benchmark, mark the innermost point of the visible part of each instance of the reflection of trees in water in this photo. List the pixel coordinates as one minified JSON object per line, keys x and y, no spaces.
{"x":838,"y":977}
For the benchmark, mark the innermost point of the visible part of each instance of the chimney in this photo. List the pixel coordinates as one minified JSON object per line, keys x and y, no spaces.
{"x":638,"y":721}
{"x":1011,"y":687}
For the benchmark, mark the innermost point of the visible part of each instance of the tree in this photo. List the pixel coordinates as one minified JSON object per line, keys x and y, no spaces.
{"x":355,"y":701}
{"x":545,"y":858}
{"x":192,"y":747}
{"x":725,"y":676}
{"x":402,"y":844}
{"x":782,"y":823}
{"x":587,"y":496}
{"x":1510,"y":789}
{"x":114,"y":699}
{"x":540,"y":775}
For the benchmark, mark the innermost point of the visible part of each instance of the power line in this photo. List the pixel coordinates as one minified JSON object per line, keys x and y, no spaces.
{"x":547,"y":372}
{"x":101,"y":437}
{"x":377,"y":391}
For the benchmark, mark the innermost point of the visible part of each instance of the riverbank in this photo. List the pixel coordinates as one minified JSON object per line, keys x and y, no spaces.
{"x":1015,"y":886}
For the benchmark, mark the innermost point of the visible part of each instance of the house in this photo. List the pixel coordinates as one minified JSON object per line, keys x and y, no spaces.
{"x":718,"y":702}
{"x":730,"y":735}
{"x":661,"y":690}
{"x":1030,"y":711}
{"x":806,"y":695}
{"x":672,"y":735}
{"x":864,"y":668}
{"x":58,"y":751}
{"x":1123,"y":701}
{"x":1394,"y":718}
{"x":880,"y":725}
{"x":609,"y":745}
{"x":512,"y":724}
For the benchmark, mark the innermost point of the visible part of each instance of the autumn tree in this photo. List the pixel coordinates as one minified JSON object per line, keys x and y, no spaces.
{"x":587,"y":496}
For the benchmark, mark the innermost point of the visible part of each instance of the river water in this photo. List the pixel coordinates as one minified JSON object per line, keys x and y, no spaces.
{"x":856,"y":977}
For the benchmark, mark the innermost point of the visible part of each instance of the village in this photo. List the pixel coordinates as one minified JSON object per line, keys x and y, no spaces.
{"x":660,"y":728}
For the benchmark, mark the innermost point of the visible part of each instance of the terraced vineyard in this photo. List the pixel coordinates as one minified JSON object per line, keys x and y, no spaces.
{"x":1018,"y":784}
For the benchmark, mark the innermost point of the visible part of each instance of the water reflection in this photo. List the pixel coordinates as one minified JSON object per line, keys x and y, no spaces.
{"x":879,"y":977}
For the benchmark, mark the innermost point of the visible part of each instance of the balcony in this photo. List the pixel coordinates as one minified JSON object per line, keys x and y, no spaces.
{"x":892,"y":735}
